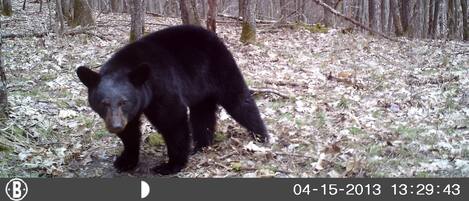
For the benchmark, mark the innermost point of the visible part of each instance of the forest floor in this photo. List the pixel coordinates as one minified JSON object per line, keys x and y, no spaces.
{"x":355,"y":106}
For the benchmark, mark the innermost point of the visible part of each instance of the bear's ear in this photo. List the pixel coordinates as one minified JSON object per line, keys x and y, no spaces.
{"x":139,"y":75}
{"x":89,"y":78}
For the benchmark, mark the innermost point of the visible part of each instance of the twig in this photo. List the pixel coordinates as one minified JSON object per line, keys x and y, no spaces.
{"x":295,"y":155}
{"x":265,"y":90}
{"x":43,"y":34}
{"x":241,"y":19}
{"x":154,"y":14}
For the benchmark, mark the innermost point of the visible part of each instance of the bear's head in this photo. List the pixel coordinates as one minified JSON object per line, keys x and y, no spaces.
{"x":117,"y":97}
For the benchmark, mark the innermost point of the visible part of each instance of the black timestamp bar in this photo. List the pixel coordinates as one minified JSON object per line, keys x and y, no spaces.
{"x":385,"y":188}
{"x":236,"y":189}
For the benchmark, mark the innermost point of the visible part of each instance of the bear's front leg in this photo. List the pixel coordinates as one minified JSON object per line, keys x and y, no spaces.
{"x":177,"y":141}
{"x":172,"y":123}
{"x":131,"y":139}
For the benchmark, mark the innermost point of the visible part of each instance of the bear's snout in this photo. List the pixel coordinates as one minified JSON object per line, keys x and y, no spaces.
{"x":115,"y":121}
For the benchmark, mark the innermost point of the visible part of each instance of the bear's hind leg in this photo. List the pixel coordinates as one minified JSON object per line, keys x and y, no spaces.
{"x":131,"y":139}
{"x":246,"y":113}
{"x":203,"y":120}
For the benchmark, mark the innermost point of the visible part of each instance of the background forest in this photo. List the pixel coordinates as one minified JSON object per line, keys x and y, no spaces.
{"x":348,"y":88}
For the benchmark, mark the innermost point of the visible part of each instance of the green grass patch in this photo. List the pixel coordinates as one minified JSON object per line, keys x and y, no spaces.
{"x":155,"y":139}
{"x":344,"y":103}
{"x":219,"y":137}
{"x":375,"y":150}
{"x":355,"y":131}
{"x":236,"y":166}
{"x":5,"y":148}
{"x":313,"y":28}
{"x":320,"y":119}
{"x":101,"y":133}
{"x":409,"y":133}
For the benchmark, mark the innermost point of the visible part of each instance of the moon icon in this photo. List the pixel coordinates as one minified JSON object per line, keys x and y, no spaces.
{"x":145,"y":189}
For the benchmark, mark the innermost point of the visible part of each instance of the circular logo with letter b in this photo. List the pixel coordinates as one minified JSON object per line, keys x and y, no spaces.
{"x":16,"y":189}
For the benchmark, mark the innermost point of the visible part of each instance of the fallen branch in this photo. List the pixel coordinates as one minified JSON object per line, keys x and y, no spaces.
{"x":350,"y":82}
{"x":43,"y":34}
{"x":241,"y":19}
{"x":154,"y":14}
{"x":337,"y":13}
{"x":265,"y":90}
{"x":25,"y":35}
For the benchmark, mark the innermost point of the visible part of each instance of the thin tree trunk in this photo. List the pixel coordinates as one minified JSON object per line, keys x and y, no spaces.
{"x":300,"y":8}
{"x":137,"y":20}
{"x":436,"y":14}
{"x":241,"y":8}
{"x":383,"y":16}
{"x":40,"y":6}
{"x":425,"y":5}
{"x":283,"y":11}
{"x":464,"y":20}
{"x":372,"y":14}
{"x":328,"y":17}
{"x":7,"y":10}
{"x":67,"y":10}
{"x":24,"y":5}
{"x":212,"y":15}
{"x":404,"y":7}
{"x":189,"y":13}
{"x":451,"y":19}
{"x":115,"y":6}
{"x":396,"y":18}
{"x":248,"y":32}
{"x":3,"y":85}
{"x":60,"y":16}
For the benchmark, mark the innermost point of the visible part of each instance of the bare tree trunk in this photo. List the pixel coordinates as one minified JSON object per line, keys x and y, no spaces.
{"x":212,"y":15}
{"x":451,"y":19}
{"x":7,"y":10}
{"x":383,"y":15}
{"x":40,"y":6}
{"x":394,"y":9}
{"x":115,"y":4}
{"x":248,"y":32}
{"x":24,"y":5}
{"x":283,"y":11}
{"x":300,"y":8}
{"x":67,"y":10}
{"x":189,"y":13}
{"x":436,"y":11}
{"x":434,"y":14}
{"x":372,"y":14}
{"x":430,"y":18}
{"x":404,"y":15}
{"x":60,"y":16}
{"x":328,"y":17}
{"x":425,"y":5}
{"x":82,"y":15}
{"x":137,"y":20}
{"x":171,"y":8}
{"x":203,"y":8}
{"x":3,"y":85}
{"x":464,"y":20}
{"x":241,"y":8}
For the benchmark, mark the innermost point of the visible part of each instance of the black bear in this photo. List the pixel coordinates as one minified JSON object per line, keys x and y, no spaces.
{"x":160,"y":76}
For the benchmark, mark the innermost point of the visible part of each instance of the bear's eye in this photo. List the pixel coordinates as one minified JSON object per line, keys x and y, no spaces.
{"x":122,"y":103}
{"x":105,"y":103}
